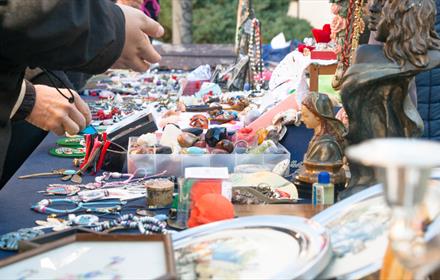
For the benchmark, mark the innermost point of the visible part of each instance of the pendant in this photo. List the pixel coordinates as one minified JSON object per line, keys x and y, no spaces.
{"x":59,"y":189}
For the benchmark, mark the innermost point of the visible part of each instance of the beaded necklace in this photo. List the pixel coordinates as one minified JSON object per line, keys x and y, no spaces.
{"x":254,"y":53}
{"x":145,"y":225}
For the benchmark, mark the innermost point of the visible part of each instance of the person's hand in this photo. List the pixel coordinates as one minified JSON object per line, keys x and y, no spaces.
{"x":53,"y":112}
{"x":138,"y":52}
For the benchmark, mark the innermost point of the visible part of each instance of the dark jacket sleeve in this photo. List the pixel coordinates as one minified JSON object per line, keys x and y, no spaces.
{"x":82,"y":35}
{"x":79,"y":35}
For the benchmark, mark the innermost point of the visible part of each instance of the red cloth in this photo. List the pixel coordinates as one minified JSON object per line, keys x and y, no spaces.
{"x":322,"y":35}
{"x":301,"y":48}
{"x":210,"y":208}
{"x":202,"y":187}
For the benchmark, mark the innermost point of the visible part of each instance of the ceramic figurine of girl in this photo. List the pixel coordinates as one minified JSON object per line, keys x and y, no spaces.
{"x":326,"y":149}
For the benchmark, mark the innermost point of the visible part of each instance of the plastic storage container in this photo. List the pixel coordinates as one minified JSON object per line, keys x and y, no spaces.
{"x":175,"y":165}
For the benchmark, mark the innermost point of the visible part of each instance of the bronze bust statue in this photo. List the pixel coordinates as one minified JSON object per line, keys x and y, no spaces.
{"x":375,"y":88}
{"x":326,"y":149}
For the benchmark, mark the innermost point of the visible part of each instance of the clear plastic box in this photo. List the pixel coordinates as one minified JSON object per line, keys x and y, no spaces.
{"x":175,"y":165}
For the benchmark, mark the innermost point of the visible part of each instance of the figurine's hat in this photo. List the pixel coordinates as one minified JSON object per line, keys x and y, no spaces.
{"x":323,"y":106}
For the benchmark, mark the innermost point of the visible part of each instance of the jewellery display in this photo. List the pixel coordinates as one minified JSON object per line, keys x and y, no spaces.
{"x":71,"y":142}
{"x":55,"y":224}
{"x":58,"y":189}
{"x":145,"y":225}
{"x":68,"y":152}
{"x":84,"y":220}
{"x":108,"y":206}
{"x":56,"y":172}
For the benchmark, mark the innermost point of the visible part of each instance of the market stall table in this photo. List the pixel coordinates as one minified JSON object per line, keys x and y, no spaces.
{"x":17,"y":196}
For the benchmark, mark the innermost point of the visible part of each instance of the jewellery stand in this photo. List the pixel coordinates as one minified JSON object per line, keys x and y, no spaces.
{"x":404,"y":167}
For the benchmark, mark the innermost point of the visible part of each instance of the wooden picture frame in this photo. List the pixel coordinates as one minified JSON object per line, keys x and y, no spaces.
{"x":138,"y":248}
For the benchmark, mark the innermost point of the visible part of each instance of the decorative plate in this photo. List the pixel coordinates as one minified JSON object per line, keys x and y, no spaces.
{"x":358,"y":228}
{"x":257,"y":247}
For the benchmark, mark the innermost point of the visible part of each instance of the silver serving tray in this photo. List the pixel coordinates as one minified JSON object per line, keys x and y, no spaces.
{"x":344,"y":268}
{"x":309,"y":238}
{"x":372,"y":262}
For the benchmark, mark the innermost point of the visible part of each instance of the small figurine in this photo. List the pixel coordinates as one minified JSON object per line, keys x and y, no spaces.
{"x":326,"y":149}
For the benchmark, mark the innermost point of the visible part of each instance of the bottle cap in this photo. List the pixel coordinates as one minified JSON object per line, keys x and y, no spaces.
{"x":324,"y":178}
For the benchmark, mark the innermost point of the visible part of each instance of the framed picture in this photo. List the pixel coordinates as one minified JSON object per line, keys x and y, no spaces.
{"x":257,"y":247}
{"x":26,"y":245}
{"x":95,"y":256}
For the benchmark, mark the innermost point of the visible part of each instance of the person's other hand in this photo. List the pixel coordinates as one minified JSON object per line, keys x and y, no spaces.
{"x":138,"y":52}
{"x":53,"y":112}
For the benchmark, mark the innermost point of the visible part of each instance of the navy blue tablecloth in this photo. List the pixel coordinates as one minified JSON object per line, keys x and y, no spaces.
{"x":18,"y":195}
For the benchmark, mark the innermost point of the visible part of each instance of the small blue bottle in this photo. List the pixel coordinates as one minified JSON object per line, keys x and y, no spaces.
{"x":323,"y":190}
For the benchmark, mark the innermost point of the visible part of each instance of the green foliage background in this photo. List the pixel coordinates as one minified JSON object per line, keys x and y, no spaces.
{"x":214,"y":20}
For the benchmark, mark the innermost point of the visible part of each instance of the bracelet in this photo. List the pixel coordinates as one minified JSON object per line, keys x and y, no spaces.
{"x":108,"y":206}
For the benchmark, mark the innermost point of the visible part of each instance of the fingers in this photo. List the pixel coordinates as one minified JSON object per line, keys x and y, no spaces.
{"x":139,"y":65}
{"x":70,"y":126}
{"x":58,"y":130}
{"x":152,"y":27}
{"x":78,"y":118}
{"x":148,"y":53}
{"x":84,"y":109}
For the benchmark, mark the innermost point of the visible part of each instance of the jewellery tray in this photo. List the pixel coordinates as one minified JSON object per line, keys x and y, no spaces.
{"x":175,"y":164}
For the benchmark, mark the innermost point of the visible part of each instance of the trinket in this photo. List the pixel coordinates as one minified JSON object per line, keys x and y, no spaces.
{"x":194,"y":130}
{"x":146,"y":225}
{"x":9,"y":241}
{"x":218,"y":151}
{"x":273,"y":135}
{"x":247,"y":135}
{"x":195,"y":151}
{"x":238,"y":103}
{"x":199,"y":121}
{"x":163,"y":150}
{"x":56,"y":224}
{"x":58,"y":189}
{"x":59,"y":172}
{"x":225,"y":145}
{"x":85,"y":220}
{"x":108,"y":206}
{"x":267,"y":147}
{"x":159,"y":193}
{"x":145,"y":212}
{"x":187,"y":139}
{"x":169,"y":136}
{"x":200,"y":144}
{"x":71,"y":142}
{"x":215,"y":135}
{"x":68,"y":152}
{"x":261,"y":135}
{"x":224,"y":117}
{"x":148,"y":139}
